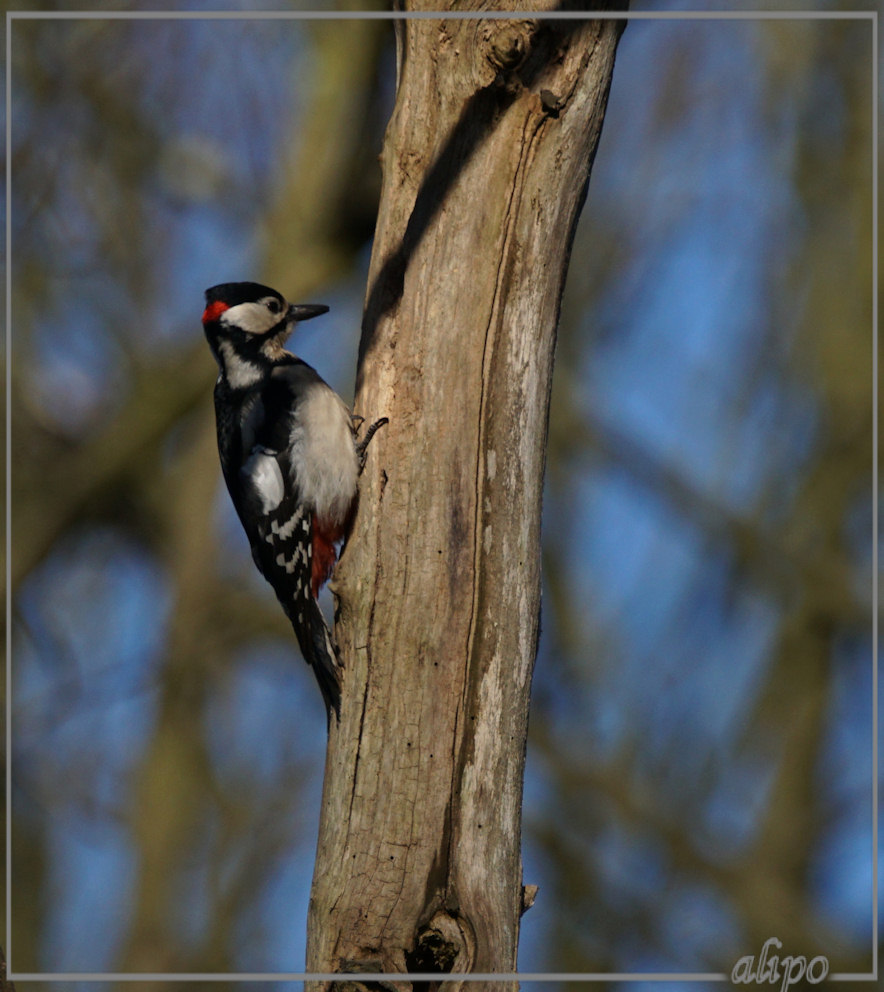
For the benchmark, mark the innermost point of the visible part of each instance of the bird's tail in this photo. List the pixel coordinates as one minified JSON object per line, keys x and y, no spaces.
{"x":319,"y":652}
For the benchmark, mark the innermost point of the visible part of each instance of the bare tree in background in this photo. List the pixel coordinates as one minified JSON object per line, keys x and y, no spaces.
{"x":486,"y":164}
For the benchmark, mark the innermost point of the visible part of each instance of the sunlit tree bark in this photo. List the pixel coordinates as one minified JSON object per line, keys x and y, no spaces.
{"x":486,"y":164}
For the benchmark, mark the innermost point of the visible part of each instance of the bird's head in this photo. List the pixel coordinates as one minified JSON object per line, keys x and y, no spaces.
{"x":248,"y":322}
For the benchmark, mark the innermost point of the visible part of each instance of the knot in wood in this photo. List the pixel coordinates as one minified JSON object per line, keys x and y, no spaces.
{"x":443,"y":945}
{"x":507,"y":43}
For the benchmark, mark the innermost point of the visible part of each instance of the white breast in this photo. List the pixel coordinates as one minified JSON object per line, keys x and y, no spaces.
{"x":324,"y":462}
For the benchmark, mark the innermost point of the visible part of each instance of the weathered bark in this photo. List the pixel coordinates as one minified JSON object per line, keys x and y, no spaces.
{"x":486,"y":162}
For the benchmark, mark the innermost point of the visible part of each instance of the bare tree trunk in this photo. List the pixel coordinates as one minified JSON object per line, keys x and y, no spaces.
{"x":486,"y":162}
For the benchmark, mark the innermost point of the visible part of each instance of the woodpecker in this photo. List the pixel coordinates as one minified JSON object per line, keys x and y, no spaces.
{"x":289,"y":457}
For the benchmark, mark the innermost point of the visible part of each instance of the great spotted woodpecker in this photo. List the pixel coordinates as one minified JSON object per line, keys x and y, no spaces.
{"x":289,"y":456}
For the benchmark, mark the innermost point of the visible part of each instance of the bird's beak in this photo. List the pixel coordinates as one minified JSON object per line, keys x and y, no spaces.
{"x":304,"y":311}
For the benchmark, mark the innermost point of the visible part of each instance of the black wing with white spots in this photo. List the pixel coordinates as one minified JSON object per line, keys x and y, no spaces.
{"x":282,"y":547}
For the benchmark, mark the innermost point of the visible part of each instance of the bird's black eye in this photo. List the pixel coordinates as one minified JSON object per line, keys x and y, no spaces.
{"x":274,"y":306}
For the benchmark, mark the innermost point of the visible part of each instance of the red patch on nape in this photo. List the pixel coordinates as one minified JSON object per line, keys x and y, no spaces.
{"x":324,"y":557}
{"x":213,"y":311}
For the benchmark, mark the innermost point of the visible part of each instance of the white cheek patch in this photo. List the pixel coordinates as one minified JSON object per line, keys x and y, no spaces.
{"x":253,"y":318}
{"x":263,"y":472}
{"x":240,"y":373}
